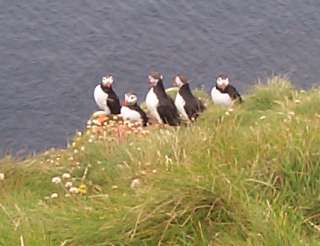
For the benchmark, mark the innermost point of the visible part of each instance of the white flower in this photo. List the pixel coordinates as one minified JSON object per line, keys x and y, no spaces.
{"x":2,"y":176}
{"x":66,"y":176}
{"x":76,"y":151}
{"x":297,"y":101}
{"x":82,"y":148}
{"x":291,"y":113}
{"x":79,"y":134}
{"x":74,"y":190}
{"x":135,"y":183}
{"x":56,"y":180}
{"x":114,"y":187}
{"x":68,"y":184}
{"x":262,"y":117}
{"x":54,"y":195}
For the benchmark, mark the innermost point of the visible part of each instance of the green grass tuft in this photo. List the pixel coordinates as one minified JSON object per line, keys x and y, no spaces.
{"x":246,"y":176}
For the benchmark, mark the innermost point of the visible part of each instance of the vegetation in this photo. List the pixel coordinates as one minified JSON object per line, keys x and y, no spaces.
{"x":249,"y":175}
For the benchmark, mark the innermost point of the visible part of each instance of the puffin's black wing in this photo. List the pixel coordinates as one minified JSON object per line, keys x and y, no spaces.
{"x":193,"y":107}
{"x":113,"y":103}
{"x":143,"y":115}
{"x":233,"y":93}
{"x":168,"y":112}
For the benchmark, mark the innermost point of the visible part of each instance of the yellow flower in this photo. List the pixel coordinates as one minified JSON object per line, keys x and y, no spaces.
{"x":83,"y":189}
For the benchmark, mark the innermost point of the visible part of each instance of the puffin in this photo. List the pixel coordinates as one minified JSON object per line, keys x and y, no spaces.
{"x":131,"y":111}
{"x":104,"y":96}
{"x":223,"y":93}
{"x":187,"y":104}
{"x":159,"y":104}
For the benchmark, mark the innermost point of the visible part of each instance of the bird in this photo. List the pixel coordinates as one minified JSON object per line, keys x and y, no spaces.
{"x":131,"y":111}
{"x":159,"y":104}
{"x":187,"y":104}
{"x":223,"y":93}
{"x":104,"y":96}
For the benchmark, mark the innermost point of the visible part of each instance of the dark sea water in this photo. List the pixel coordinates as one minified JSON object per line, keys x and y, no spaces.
{"x":53,"y":53}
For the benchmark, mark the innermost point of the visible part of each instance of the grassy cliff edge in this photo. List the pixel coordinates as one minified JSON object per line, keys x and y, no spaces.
{"x":249,"y":175}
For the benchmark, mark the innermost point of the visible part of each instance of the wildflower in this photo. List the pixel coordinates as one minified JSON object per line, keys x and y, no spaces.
{"x":90,"y":140}
{"x":76,"y":151}
{"x":297,"y":101}
{"x":82,"y":148}
{"x":227,"y":113}
{"x":154,"y":171}
{"x":83,"y":189}
{"x":74,"y":190}
{"x":135,"y":183}
{"x":68,"y":184}
{"x":114,"y":187}
{"x":67,"y":195}
{"x":54,"y":195}
{"x":79,"y":134}
{"x":56,"y":180}
{"x":2,"y":177}
{"x":230,"y":109}
{"x":262,"y":117}
{"x":291,"y":113}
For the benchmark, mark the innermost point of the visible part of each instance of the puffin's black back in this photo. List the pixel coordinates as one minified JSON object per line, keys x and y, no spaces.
{"x":232,"y":91}
{"x":113,"y":100}
{"x":166,"y":108}
{"x":137,"y":108}
{"x":193,"y":105}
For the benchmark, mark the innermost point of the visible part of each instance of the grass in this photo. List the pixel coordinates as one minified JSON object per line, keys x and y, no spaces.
{"x":247,"y":176}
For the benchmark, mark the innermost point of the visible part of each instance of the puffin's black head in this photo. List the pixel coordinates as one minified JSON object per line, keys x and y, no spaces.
{"x":107,"y":81}
{"x":222,"y":81}
{"x":130,"y":99}
{"x":179,"y":80}
{"x":154,"y":78}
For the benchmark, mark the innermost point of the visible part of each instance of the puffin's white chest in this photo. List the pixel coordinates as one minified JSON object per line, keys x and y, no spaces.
{"x":129,"y":114}
{"x":180,"y":103}
{"x":101,"y":99}
{"x":152,"y":103}
{"x":219,"y":98}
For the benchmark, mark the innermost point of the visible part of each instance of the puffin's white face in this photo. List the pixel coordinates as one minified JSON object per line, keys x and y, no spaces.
{"x":222,"y":83}
{"x":130,"y":99}
{"x":153,"y":81}
{"x":178,"y":81}
{"x":107,"y":81}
